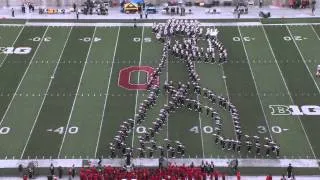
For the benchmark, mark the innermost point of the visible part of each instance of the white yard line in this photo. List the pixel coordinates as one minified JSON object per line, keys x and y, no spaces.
{"x":227,"y":91}
{"x":285,"y":84}
{"x":167,"y":94}
{"x":137,"y":91}
{"x":200,"y":123}
{"x":201,"y":134}
{"x":45,"y":96}
{"x":106,"y":99}
{"x":255,"y":84}
{"x":228,"y":96}
{"x":76,"y":95}
{"x":304,"y":61}
{"x":25,"y":72}
{"x":68,"y":24}
{"x":14,"y":42}
{"x":315,"y":31}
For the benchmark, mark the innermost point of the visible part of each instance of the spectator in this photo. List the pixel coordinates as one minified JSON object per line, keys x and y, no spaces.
{"x":74,"y":7}
{"x":69,"y":173}
{"x":20,"y":169}
{"x":23,"y":9}
{"x":238,"y":175}
{"x":191,"y":165}
{"x":269,"y":177}
{"x":25,"y":177}
{"x":51,"y":169}
{"x":289,"y":171}
{"x":30,"y":172}
{"x":134,"y":22}
{"x":12,"y":12}
{"x":60,"y":172}
{"x":77,"y":14}
{"x":313,"y":6}
{"x":73,"y":174}
{"x":260,"y":3}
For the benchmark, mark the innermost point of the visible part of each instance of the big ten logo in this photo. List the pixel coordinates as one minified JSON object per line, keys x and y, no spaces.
{"x":125,"y":74}
{"x":311,"y":110}
{"x":17,"y":50}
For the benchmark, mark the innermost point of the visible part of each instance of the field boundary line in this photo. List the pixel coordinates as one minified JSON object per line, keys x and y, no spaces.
{"x":106,"y":99}
{"x":45,"y":96}
{"x":288,"y":91}
{"x":145,"y":162}
{"x":14,"y":42}
{"x":315,"y":32}
{"x":248,"y":24}
{"x":75,"y":98}
{"x":228,"y":96}
{"x":303,"y":59}
{"x":200,"y":123}
{"x":25,"y":72}
{"x":166,"y":94}
{"x":255,"y":84}
{"x":137,"y":91}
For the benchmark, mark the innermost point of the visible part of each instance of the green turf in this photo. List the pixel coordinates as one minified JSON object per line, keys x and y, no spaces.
{"x":296,"y":75}
{"x":56,"y":109}
{"x":273,"y":92}
{"x":257,"y":75}
{"x":93,"y":90}
{"x":121,"y":102}
{"x":240,"y":83}
{"x":31,"y":92}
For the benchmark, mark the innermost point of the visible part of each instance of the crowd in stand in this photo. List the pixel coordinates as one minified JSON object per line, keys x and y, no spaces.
{"x":172,"y":172}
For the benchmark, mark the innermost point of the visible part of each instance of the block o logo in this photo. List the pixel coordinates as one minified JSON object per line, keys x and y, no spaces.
{"x":124,"y":79}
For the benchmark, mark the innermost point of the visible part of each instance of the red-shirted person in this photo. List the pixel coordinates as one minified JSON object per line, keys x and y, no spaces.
{"x":238,"y":175}
{"x":25,"y":177}
{"x":269,"y":177}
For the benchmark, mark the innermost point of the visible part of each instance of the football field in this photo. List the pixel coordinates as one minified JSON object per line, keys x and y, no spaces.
{"x":64,"y":90}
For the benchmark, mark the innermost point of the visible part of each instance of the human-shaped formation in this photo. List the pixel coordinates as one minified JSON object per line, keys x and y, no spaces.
{"x":187,"y":51}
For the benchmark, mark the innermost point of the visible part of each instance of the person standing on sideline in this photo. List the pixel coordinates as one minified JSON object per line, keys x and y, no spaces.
{"x":239,"y":13}
{"x":74,"y":7}
{"x":260,"y":3}
{"x":77,"y":14}
{"x":289,"y":171}
{"x":51,"y":169}
{"x":146,"y":14}
{"x":313,"y":6}
{"x":12,"y":12}
{"x":73,"y":173}
{"x":134,"y":22}
{"x":269,"y":177}
{"x":238,"y":175}
{"x":60,"y":172}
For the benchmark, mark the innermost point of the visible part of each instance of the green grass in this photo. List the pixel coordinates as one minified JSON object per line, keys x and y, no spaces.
{"x":76,"y":113}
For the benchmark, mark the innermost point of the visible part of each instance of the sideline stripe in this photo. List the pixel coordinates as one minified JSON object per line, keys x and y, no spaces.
{"x":144,"y":162}
{"x":150,"y":24}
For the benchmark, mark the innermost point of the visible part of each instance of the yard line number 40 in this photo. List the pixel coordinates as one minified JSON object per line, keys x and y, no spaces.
{"x":70,"y":130}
